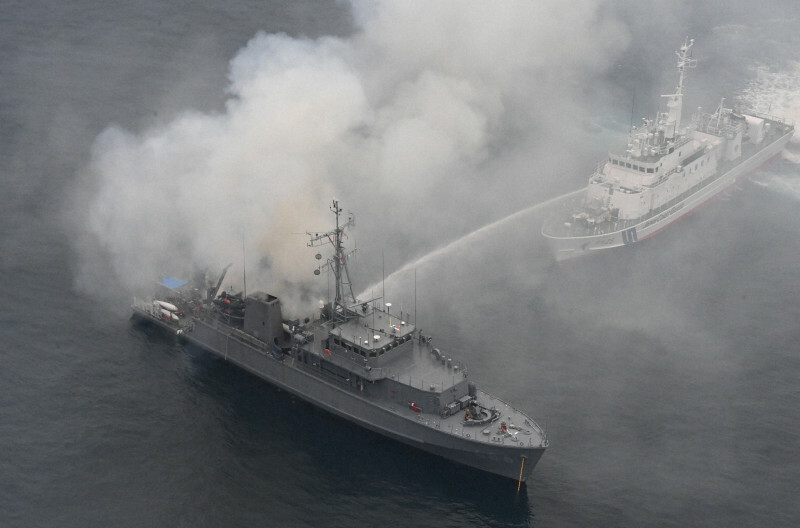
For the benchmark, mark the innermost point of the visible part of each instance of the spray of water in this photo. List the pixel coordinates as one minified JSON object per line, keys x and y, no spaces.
{"x":776,"y":93}
{"x":470,"y":238}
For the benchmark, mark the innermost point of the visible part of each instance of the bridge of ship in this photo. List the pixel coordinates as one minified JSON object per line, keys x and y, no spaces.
{"x":381,"y":345}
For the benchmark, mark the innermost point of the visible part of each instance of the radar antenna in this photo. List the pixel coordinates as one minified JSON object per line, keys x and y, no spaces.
{"x":338,"y":263}
{"x":675,"y":102}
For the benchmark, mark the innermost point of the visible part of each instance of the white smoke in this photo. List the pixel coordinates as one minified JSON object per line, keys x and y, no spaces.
{"x":200,"y":187}
{"x":424,"y":109}
{"x":786,"y":186}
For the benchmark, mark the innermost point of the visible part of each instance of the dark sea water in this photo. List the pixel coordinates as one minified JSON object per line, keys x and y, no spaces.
{"x":666,"y":374}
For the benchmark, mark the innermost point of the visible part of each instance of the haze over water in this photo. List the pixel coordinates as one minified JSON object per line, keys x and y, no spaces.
{"x":137,"y":140}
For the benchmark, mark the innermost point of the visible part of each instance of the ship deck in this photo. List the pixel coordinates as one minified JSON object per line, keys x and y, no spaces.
{"x":422,"y":369}
{"x":522,"y":431}
{"x":140,"y":310}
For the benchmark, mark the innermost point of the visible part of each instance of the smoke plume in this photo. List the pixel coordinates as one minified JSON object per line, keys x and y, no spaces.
{"x":425,"y":108}
{"x":429,"y":121}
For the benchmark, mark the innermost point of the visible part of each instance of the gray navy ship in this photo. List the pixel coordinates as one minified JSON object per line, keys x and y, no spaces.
{"x":358,"y":360}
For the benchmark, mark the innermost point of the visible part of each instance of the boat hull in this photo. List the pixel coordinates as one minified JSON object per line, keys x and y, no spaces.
{"x":571,"y":247}
{"x":442,"y":437}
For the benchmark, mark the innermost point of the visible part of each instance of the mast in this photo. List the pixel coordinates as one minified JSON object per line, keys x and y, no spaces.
{"x":672,"y":120}
{"x":337,"y":264}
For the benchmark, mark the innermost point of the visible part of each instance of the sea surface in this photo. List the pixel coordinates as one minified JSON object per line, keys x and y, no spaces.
{"x":666,"y":374}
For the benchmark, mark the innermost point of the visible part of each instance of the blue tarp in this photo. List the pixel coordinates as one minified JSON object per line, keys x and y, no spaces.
{"x":172,"y":282}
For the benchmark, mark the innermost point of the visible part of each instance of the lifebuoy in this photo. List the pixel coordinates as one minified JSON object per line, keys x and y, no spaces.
{"x":327,"y":352}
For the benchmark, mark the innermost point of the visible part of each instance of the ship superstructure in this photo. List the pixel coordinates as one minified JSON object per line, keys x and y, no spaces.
{"x":369,"y":364}
{"x":667,"y":170}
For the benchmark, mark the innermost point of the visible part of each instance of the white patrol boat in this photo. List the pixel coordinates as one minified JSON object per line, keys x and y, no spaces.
{"x":667,"y":170}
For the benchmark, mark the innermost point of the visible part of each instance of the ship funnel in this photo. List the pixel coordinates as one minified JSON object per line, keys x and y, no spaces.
{"x":263,"y":318}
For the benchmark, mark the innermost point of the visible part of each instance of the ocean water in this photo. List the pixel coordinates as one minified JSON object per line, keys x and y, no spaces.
{"x":666,"y":374}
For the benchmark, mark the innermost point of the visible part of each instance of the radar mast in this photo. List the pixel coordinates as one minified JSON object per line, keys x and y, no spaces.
{"x":338,"y":263}
{"x":672,"y":120}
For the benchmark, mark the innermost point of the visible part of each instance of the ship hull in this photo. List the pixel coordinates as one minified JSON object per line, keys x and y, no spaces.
{"x":571,"y":247}
{"x":425,"y":432}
